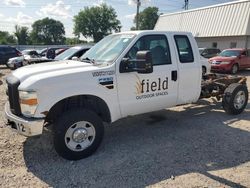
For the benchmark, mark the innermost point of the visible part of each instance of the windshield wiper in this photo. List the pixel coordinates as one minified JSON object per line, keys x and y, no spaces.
{"x":86,"y":59}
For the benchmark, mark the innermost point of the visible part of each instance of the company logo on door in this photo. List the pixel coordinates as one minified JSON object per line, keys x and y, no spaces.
{"x":147,"y":88}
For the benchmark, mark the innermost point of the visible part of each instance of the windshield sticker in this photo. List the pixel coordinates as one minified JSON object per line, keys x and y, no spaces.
{"x":107,"y":82}
{"x":103,"y":73}
{"x":147,"y":89}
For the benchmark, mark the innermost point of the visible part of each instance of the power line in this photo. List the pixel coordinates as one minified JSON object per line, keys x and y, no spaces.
{"x":186,"y":4}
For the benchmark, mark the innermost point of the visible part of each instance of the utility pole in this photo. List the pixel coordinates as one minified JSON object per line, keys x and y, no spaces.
{"x":138,"y":2}
{"x":186,"y":4}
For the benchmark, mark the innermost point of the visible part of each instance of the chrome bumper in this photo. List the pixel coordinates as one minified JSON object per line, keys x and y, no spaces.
{"x":22,"y":125}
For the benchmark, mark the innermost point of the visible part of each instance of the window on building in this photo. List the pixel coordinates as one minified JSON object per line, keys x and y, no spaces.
{"x":184,"y":49}
{"x":214,"y":45}
{"x":233,"y":44}
{"x":248,"y":52}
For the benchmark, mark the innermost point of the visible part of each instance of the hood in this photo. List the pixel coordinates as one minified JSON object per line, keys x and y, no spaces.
{"x":52,"y":68}
{"x":220,"y":58}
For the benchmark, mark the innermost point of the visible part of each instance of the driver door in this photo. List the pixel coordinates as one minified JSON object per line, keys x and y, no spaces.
{"x":141,"y":93}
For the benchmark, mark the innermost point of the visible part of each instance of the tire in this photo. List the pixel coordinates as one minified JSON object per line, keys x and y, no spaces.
{"x":77,"y":134}
{"x":234,"y":69}
{"x":204,"y":70}
{"x":235,"y":99}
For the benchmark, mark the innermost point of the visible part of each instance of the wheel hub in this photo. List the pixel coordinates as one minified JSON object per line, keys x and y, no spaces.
{"x":79,"y":135}
{"x":239,"y":100}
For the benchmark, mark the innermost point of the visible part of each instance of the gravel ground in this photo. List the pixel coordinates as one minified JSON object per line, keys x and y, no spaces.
{"x":194,"y":145}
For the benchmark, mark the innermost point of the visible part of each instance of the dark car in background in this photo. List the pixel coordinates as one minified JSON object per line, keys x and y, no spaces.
{"x":7,"y":52}
{"x":73,"y":52}
{"x":209,"y":52}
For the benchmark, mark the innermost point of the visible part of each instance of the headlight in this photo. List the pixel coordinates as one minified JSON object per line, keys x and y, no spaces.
{"x":224,"y":63}
{"x":28,"y":102}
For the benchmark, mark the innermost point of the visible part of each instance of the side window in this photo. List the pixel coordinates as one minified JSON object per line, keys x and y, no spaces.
{"x":157,"y":45}
{"x":244,"y":53}
{"x":184,"y":49}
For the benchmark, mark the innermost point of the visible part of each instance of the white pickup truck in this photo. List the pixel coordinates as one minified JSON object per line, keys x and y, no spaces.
{"x":124,"y":74}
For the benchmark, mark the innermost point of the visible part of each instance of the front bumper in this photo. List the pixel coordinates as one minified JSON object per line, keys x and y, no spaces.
{"x":221,"y":68}
{"x":24,"y":126}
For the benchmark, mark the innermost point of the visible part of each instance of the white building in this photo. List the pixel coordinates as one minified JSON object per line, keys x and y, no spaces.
{"x":221,"y":26}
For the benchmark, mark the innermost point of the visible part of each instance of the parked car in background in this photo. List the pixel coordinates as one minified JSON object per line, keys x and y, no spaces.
{"x":28,"y":57}
{"x":7,"y":52}
{"x":231,"y":60}
{"x":209,"y":52}
{"x":59,"y":51}
{"x":206,"y":66}
{"x":51,"y":52}
{"x":73,"y":52}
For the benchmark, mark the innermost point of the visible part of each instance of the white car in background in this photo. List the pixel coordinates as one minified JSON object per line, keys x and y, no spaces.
{"x":28,"y":57}
{"x":206,"y":66}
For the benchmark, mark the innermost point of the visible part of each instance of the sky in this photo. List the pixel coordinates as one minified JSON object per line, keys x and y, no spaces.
{"x":25,"y":12}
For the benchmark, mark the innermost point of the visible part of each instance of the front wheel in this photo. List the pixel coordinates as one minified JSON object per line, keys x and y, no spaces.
{"x":235,"y":98}
{"x":77,"y":134}
{"x":234,"y":69}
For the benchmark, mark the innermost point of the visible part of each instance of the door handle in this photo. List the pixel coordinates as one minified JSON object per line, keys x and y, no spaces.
{"x":174,"y":75}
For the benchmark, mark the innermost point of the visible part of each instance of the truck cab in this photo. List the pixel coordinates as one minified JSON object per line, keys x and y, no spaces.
{"x":124,"y":74}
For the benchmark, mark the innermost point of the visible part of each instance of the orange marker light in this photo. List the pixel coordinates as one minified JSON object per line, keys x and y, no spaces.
{"x":29,"y":101}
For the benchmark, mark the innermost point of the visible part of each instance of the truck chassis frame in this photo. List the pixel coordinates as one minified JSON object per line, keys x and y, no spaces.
{"x":214,"y":85}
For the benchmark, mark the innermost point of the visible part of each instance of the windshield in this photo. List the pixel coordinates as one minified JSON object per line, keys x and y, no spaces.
{"x":109,"y":48}
{"x":67,"y":53}
{"x":230,"y":53}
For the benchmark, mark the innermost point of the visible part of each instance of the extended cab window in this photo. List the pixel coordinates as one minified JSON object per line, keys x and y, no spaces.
{"x":184,"y":48}
{"x":157,"y":45}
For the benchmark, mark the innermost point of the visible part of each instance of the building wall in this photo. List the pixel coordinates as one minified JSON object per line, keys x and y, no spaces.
{"x":228,"y":19}
{"x":224,"y":42}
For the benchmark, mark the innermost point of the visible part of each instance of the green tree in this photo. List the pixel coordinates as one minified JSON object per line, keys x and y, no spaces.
{"x":147,"y":18}
{"x":22,"y":35}
{"x":48,"y":31}
{"x":75,"y":40}
{"x":6,"y":38}
{"x":96,"y":22}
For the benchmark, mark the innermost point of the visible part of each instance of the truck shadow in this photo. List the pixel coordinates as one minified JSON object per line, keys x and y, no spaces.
{"x":146,"y":149}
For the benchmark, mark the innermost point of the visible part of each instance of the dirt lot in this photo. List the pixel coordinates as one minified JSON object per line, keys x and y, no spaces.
{"x":190,"y":146}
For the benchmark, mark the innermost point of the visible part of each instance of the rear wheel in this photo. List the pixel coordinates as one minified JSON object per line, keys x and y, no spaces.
{"x":235,"y":98}
{"x":77,"y":134}
{"x":234,"y":69}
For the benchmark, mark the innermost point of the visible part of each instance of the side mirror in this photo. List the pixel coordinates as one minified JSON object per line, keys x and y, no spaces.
{"x":142,"y":64}
{"x":75,"y":58}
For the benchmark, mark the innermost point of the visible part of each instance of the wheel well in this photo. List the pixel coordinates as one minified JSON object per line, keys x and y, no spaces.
{"x":236,"y":64}
{"x":89,"y":102}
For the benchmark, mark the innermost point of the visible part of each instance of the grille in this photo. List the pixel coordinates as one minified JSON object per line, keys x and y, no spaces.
{"x":13,"y":95}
